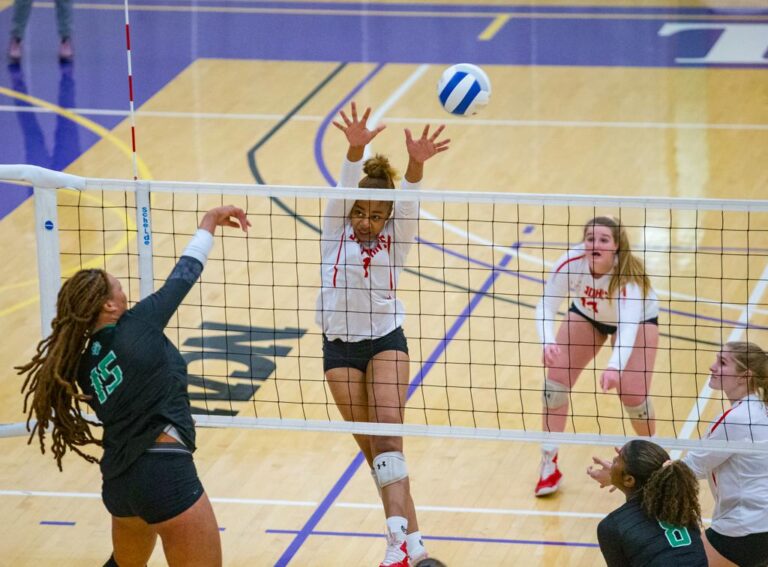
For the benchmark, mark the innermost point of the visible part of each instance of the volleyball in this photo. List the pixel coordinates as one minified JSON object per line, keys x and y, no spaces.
{"x":464,"y":89}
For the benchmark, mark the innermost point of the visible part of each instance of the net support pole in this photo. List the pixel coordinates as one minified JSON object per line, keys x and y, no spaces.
{"x":48,"y":267}
{"x":144,"y":240}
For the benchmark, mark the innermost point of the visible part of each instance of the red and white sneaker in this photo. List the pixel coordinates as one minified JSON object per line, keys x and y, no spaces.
{"x":549,"y":476}
{"x":420,"y":557}
{"x":396,"y":555}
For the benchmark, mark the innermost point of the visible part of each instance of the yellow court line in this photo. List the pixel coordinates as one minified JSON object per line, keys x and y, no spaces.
{"x":493,"y":28}
{"x":420,"y":14}
{"x":114,"y":140}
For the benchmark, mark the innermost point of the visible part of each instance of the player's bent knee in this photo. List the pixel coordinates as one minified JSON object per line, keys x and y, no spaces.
{"x":643,"y":410}
{"x":390,"y":468}
{"x":555,"y":394}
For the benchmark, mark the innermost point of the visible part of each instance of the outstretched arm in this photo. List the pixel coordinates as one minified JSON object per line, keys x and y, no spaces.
{"x":160,"y":306}
{"x":406,"y":213}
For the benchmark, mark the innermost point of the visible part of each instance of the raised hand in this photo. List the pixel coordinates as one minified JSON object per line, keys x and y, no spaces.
{"x":356,"y":129}
{"x":227,"y":215}
{"x":421,"y":149}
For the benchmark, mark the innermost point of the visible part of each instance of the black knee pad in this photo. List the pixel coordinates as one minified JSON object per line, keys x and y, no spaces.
{"x":111,"y":562}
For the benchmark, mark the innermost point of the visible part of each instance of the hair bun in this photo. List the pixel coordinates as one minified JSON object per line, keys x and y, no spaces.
{"x":378,"y":167}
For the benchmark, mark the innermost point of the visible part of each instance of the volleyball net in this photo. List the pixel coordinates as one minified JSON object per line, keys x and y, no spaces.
{"x":470,"y":286}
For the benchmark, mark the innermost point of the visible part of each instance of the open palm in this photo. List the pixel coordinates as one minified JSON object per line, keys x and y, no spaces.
{"x":421,"y":149}
{"x":356,"y":129}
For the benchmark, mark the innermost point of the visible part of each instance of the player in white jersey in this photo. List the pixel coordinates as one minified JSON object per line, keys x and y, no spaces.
{"x":739,"y":482}
{"x":609,"y":295}
{"x":365,"y":353}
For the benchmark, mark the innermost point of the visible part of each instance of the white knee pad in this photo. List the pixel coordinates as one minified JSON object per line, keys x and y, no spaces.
{"x":642,"y":411}
{"x":389,"y":467}
{"x":555,"y":394}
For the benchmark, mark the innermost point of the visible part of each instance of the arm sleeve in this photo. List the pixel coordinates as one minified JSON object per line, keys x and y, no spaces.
{"x":629,"y":315}
{"x":337,"y":210}
{"x":405,"y":224}
{"x":702,"y":462}
{"x":159,"y":307}
{"x":555,"y":291}
{"x":609,"y":539}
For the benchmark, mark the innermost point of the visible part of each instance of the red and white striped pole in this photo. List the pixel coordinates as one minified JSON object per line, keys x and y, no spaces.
{"x":143,"y":208}
{"x":130,"y":91}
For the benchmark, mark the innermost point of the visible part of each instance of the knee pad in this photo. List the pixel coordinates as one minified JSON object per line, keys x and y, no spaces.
{"x":641,"y":411}
{"x":389,"y":468}
{"x":111,"y":562}
{"x":555,"y":394}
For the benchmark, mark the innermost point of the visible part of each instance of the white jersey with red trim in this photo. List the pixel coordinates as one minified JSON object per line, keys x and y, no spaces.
{"x":739,"y":482}
{"x":358,"y":299}
{"x":571,"y":279}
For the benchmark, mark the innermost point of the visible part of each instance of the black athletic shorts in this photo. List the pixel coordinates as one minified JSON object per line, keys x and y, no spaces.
{"x":602,"y":327}
{"x":160,"y":485}
{"x":745,"y":551}
{"x":340,"y":354}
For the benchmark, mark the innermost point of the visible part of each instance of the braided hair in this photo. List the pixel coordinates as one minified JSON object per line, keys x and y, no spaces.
{"x":52,"y":396}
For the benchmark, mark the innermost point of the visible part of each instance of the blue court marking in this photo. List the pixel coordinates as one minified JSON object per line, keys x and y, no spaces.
{"x":359,"y":459}
{"x":448,"y":538}
{"x":55,"y":523}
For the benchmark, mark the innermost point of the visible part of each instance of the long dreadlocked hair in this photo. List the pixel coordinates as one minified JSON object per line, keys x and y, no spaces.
{"x":52,"y":396}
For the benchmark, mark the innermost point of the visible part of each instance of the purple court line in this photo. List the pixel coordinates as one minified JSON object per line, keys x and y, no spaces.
{"x":522,"y":276}
{"x":448,"y":538}
{"x":55,"y":523}
{"x":324,"y":506}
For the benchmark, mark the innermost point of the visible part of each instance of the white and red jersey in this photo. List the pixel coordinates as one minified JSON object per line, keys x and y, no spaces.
{"x":358,"y":299}
{"x":572,"y":279}
{"x":739,"y":482}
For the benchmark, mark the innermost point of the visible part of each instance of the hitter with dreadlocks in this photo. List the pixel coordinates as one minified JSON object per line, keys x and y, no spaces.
{"x":118,"y":361}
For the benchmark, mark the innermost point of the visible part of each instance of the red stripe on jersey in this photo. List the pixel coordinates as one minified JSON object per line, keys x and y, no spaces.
{"x":561,"y":266}
{"x":722,"y":418}
{"x":338,"y":255}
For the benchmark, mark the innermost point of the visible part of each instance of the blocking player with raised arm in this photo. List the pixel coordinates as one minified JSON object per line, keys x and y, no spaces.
{"x":119,"y":361}
{"x":659,"y":524}
{"x":365,"y":352}
{"x":609,"y":294}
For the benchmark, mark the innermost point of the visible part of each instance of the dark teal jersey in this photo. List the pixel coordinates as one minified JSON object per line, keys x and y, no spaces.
{"x":136,"y":377}
{"x":628,"y":537}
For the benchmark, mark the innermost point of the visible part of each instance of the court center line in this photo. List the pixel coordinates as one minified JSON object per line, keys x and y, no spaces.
{"x":469,"y":510}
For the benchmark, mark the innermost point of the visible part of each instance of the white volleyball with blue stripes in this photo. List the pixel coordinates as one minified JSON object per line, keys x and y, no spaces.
{"x":464,"y":89}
